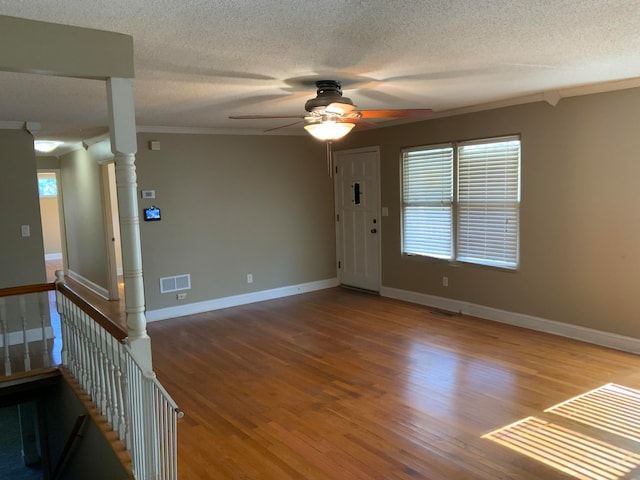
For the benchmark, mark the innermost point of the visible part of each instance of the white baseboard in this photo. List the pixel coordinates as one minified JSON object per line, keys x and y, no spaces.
{"x":576,"y":332}
{"x":33,"y":335}
{"x":94,"y":287}
{"x":53,"y":256}
{"x":236,"y":300}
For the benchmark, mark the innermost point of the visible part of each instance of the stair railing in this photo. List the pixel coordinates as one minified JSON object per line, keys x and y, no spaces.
{"x":96,"y":352}
{"x":24,"y":320}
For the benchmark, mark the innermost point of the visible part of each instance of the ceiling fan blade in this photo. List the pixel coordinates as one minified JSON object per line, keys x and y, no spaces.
{"x":363,"y":124}
{"x":400,"y":113}
{"x":262,"y":117}
{"x":282,"y":126}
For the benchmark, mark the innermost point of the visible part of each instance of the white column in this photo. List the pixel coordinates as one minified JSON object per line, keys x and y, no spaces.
{"x":122,"y":126}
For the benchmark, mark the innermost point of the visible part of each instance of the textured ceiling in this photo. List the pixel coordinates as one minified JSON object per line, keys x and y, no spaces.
{"x":199,"y":61}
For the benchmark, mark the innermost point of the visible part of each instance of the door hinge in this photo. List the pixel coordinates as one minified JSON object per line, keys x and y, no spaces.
{"x":339,"y":264}
{"x":336,"y":169}
{"x":337,"y":217}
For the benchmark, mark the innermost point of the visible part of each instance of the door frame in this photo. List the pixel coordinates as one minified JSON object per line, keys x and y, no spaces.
{"x":375,"y":149}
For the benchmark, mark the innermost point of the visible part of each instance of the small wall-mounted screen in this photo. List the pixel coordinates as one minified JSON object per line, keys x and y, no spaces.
{"x":151,"y":213}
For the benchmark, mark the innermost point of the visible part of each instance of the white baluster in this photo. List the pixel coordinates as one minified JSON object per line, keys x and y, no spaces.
{"x":102,"y":368}
{"x":126,"y":405}
{"x":120,"y":387}
{"x":63,"y":321}
{"x":112,"y":345}
{"x":23,"y":316}
{"x":43,"y":304}
{"x":140,"y":411}
{"x":5,"y":337}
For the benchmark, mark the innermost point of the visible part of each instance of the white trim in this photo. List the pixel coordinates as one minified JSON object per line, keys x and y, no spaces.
{"x":53,"y":256}
{"x":236,"y":300}
{"x":94,"y":287}
{"x":9,"y":125}
{"x":552,"y":97}
{"x":65,"y":149}
{"x":33,"y":335}
{"x":576,"y":332}
{"x":88,"y":142}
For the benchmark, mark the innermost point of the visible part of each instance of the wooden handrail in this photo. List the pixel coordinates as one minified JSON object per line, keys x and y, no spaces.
{"x":26,"y":289}
{"x":105,"y":322}
{"x":115,"y":330}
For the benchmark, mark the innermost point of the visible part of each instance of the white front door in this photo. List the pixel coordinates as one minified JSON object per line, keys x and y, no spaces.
{"x":357,"y":217}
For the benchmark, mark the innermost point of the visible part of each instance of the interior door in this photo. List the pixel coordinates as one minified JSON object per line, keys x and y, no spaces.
{"x":357,"y":187}
{"x":110,"y":211}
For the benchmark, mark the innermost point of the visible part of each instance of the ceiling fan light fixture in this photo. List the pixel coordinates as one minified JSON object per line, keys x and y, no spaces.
{"x":329,"y":130}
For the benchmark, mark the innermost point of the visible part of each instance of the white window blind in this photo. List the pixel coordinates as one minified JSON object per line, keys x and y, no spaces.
{"x":427,"y":207}
{"x":489,"y":202}
{"x":485,"y":208}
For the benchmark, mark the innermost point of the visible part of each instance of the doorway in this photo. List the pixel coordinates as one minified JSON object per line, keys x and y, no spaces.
{"x":358,"y":227}
{"x":112,"y":231}
{"x":51,"y":218}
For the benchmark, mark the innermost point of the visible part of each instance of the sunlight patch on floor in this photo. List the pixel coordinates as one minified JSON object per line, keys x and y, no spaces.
{"x":571,"y":452}
{"x":613,"y":408}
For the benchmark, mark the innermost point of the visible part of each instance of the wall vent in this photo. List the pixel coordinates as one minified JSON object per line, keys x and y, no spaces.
{"x":176,"y":283}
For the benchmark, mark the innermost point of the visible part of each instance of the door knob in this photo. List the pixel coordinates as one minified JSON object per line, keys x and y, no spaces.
{"x":373,"y":230}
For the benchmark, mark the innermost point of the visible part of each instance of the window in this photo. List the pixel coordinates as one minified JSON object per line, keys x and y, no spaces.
{"x":461,"y":201}
{"x":47,"y":186}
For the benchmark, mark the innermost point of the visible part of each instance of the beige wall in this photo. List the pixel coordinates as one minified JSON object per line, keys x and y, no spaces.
{"x":21,"y":258}
{"x":31,"y":46}
{"x":233,"y":205}
{"x":50,"y":225}
{"x":82,"y":204}
{"x":580,"y":220}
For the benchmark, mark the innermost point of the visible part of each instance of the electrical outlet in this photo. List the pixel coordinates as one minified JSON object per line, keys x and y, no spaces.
{"x":445,"y":281}
{"x":181,"y":296}
{"x":249,"y":277}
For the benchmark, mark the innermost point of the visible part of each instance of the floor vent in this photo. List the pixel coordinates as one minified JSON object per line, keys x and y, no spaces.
{"x":444,"y":313}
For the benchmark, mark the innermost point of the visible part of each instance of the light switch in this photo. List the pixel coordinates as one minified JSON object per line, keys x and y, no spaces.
{"x":385,"y":211}
{"x":26,"y":230}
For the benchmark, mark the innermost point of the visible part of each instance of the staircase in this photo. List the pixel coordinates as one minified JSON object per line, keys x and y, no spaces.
{"x":99,"y":391}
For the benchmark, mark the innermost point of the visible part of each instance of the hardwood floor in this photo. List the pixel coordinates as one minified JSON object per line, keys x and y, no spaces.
{"x":338,"y":384}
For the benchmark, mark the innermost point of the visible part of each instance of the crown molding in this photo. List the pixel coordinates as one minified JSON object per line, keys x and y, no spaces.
{"x":88,"y":142}
{"x":552,"y":97}
{"x":9,"y":125}
{"x":68,"y":148}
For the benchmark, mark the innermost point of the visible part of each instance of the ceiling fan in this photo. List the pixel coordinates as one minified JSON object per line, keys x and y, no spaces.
{"x":331,"y":116}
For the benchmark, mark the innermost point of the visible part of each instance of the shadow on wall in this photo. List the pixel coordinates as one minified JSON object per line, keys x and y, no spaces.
{"x":12,"y":464}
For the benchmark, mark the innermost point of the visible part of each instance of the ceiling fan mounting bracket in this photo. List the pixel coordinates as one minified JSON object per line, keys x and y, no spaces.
{"x":328,"y":92}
